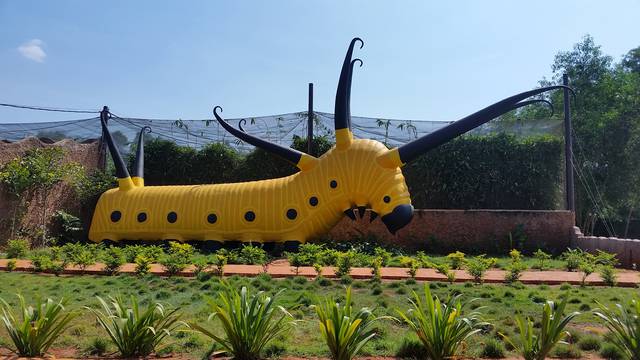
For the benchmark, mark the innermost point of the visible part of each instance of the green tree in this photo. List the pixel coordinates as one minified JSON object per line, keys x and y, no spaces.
{"x":606,"y":122}
{"x":47,"y":169}
{"x":16,"y":178}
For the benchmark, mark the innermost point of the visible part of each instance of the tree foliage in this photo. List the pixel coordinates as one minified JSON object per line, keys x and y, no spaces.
{"x":606,"y":124}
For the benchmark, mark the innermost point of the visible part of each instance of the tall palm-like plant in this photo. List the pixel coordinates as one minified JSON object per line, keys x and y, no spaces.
{"x":344,"y":330}
{"x":37,"y":327}
{"x":249,"y":322}
{"x":136,"y":332}
{"x":441,"y":326}
{"x":535,"y":345}
{"x":624,"y":324}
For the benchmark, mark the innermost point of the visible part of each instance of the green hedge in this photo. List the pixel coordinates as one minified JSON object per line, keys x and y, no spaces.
{"x":489,"y":172}
{"x":492,"y":172}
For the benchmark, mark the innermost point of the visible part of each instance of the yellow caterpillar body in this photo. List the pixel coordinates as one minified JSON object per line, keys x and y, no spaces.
{"x":293,"y":208}
{"x":354,"y":173}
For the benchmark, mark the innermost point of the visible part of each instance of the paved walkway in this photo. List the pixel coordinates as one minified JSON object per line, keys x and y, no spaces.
{"x":281,"y":268}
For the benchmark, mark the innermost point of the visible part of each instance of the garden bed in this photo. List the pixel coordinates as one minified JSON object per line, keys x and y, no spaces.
{"x":497,"y":302}
{"x":282,"y":269}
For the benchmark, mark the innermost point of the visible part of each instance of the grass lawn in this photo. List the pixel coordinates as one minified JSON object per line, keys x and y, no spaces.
{"x":500,"y":303}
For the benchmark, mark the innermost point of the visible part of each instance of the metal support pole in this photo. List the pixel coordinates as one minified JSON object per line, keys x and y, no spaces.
{"x":104,"y":115}
{"x":568,"y":149}
{"x":310,"y":120}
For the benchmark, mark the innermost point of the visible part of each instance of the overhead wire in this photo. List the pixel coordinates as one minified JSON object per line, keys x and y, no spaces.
{"x":52,"y":109}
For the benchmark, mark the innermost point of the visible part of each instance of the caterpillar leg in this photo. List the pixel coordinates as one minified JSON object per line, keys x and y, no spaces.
{"x":209,"y":246}
{"x":269,"y":246}
{"x":291,"y":246}
{"x":232,"y":244}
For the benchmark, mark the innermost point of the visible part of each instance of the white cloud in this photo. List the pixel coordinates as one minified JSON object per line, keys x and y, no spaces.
{"x":32,"y":50}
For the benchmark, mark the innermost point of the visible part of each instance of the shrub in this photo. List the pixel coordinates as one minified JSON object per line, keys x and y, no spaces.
{"x":515,"y":255}
{"x":41,"y":260}
{"x":456,"y":260}
{"x":587,"y":266}
{"x":329,"y":257}
{"x":249,"y":322}
{"x":382,"y":254}
{"x":536,"y":344}
{"x":253,"y":255}
{"x":589,"y":343}
{"x":376,"y":265}
{"x":11,"y":265}
{"x":572,"y":258}
{"x":612,"y":352}
{"x":135,"y":331}
{"x":440,"y":325}
{"x":344,"y":330}
{"x":414,"y":265}
{"x":345,"y":262}
{"x":624,"y":326}
{"x":410,"y":348}
{"x":515,"y":267}
{"x":514,"y":271}
{"x":295,"y":260}
{"x":318,"y":269}
{"x":565,"y":351}
{"x":542,"y":257}
{"x":113,"y":259}
{"x":310,"y":254}
{"x":83,"y":258}
{"x":606,"y":259}
{"x":143,"y":265}
{"x":200,"y":266}
{"x":68,"y":227}
{"x":38,"y":326}
{"x":219,"y":262}
{"x":17,"y":248}
{"x":98,"y":346}
{"x":478,"y":265}
{"x":608,"y":275}
{"x":493,"y":349}
{"x":174,"y":262}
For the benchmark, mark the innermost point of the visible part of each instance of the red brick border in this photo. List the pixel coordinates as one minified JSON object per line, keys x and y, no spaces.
{"x":281,"y":269}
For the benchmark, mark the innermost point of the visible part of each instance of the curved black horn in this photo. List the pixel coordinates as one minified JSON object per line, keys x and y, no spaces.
{"x":121,"y":168}
{"x":534,"y":101}
{"x":242,"y":121}
{"x":288,"y":154}
{"x":138,"y":163}
{"x":342,"y":112}
{"x":419,"y":146}
{"x":353,"y":62}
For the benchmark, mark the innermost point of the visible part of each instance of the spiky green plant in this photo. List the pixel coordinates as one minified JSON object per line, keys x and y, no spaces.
{"x":624,"y":324}
{"x":344,"y":330}
{"x":136,"y":332}
{"x":37,"y":327}
{"x":536,"y":345}
{"x":441,"y":326}
{"x":249,"y":322}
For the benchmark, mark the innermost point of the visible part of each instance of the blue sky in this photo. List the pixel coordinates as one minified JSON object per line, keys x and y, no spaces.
{"x":177,"y":59}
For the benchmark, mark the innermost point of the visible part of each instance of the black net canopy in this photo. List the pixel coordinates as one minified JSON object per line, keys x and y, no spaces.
{"x":279,"y":129}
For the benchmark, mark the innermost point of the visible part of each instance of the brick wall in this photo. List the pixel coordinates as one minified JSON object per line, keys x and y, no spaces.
{"x":61,"y":197}
{"x":479,"y":231}
{"x":628,"y":250}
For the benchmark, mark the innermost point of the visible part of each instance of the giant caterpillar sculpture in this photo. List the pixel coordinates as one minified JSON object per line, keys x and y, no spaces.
{"x":354,"y":174}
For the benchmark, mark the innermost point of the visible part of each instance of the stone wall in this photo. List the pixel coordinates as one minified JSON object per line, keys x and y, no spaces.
{"x":62,"y":197}
{"x":628,"y":250}
{"x":473,"y":231}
